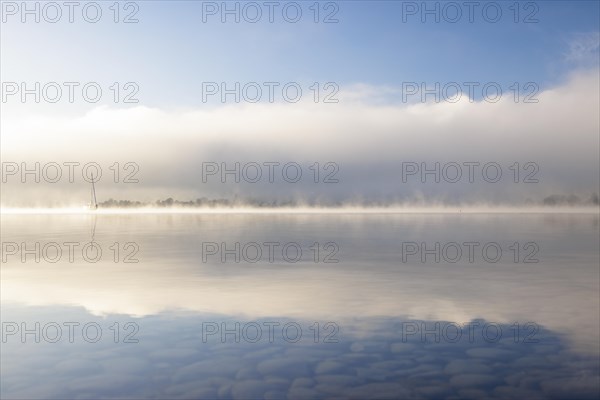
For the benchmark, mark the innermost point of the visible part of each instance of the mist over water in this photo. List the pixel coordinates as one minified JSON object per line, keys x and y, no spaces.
{"x":362,"y":199}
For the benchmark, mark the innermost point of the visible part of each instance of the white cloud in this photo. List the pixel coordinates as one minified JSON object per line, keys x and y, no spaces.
{"x":584,"y":48}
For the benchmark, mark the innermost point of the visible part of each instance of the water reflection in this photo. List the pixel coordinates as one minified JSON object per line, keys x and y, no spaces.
{"x":375,"y":299}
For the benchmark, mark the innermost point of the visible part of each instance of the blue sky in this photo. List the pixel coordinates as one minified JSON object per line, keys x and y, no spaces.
{"x":171,"y":51}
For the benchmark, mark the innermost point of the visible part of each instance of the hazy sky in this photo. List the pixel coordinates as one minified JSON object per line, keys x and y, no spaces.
{"x":372,"y":57}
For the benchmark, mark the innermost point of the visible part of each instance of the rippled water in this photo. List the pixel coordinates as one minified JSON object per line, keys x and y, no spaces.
{"x":356,"y":306}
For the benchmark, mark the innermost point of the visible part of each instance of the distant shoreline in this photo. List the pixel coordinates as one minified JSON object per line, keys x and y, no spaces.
{"x":549,"y":201}
{"x":550,"y":204}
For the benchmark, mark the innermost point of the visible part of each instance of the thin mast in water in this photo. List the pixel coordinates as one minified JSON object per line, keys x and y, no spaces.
{"x":94,"y":204}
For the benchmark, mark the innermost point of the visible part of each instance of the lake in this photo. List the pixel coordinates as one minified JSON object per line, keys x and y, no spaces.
{"x":300,"y":305}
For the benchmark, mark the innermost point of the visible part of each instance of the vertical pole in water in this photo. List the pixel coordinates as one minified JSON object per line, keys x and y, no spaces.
{"x":95,"y":204}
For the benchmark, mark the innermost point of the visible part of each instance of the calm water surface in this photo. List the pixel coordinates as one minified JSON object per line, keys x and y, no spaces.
{"x":300,"y":306}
